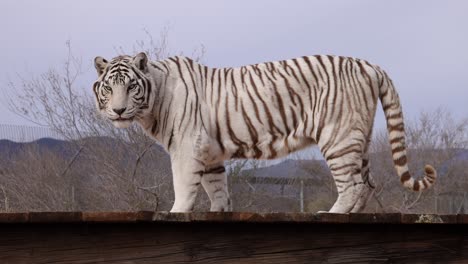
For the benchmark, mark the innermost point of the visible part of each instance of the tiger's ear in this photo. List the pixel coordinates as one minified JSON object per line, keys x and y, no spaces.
{"x":141,"y":61}
{"x":100,"y":64}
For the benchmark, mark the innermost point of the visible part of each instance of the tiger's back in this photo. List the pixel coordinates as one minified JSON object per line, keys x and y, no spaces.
{"x":269,"y":110}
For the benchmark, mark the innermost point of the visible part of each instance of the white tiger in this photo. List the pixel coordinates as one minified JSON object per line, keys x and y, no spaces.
{"x":204,"y":116}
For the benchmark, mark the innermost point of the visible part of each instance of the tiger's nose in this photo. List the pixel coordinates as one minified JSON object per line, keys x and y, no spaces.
{"x":119,"y":111}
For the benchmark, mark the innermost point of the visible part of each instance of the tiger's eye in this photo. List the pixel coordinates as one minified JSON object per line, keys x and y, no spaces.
{"x":132,"y":87}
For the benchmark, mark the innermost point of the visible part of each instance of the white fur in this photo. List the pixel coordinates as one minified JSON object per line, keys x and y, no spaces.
{"x":204,"y":116}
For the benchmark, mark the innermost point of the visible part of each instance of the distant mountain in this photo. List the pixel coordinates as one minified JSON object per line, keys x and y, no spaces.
{"x":9,"y":150}
{"x":290,"y":168}
{"x":317,"y":169}
{"x":462,"y":154}
{"x":302,"y":169}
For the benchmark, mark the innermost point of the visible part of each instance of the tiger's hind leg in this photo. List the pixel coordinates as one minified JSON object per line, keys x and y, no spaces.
{"x":214,"y":182}
{"x":345,"y":164}
{"x":368,"y":186}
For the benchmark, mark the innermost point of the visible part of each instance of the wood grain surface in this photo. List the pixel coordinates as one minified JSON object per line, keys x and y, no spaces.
{"x":231,"y":242}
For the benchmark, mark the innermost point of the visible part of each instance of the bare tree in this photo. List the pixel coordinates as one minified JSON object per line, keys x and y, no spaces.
{"x":435,"y":137}
{"x":128,"y":170}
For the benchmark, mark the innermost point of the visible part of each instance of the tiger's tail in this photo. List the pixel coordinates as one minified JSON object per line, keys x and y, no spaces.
{"x":396,"y":131}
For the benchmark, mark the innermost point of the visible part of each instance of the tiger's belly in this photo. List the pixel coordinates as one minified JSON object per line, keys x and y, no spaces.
{"x":273,"y":148}
{"x":246,"y":138}
{"x":268,"y":146}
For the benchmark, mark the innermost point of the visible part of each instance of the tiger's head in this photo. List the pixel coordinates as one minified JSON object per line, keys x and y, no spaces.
{"x":123,"y":89}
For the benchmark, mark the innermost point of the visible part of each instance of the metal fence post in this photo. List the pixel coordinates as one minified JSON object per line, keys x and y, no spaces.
{"x":302,"y":196}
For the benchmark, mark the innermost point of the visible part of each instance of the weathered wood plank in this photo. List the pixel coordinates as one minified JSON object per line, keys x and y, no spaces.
{"x":231,"y":242}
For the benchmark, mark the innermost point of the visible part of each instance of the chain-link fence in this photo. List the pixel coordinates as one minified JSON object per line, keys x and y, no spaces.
{"x":20,"y":133}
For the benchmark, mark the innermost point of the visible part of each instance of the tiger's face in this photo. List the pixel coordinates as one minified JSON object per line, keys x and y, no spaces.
{"x":121,"y":90}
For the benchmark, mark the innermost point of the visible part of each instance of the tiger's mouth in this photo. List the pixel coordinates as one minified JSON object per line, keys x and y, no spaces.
{"x":121,"y":122}
{"x":121,"y":119}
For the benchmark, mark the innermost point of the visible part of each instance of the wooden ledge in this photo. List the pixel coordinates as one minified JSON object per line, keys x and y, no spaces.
{"x":147,"y":216}
{"x":162,"y":237}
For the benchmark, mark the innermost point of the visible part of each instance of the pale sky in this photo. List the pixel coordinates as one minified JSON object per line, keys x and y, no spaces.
{"x":423,"y":45}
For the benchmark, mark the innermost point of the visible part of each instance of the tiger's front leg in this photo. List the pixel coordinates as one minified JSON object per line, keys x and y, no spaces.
{"x":214,"y":182}
{"x":188,"y":174}
{"x":186,"y":179}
